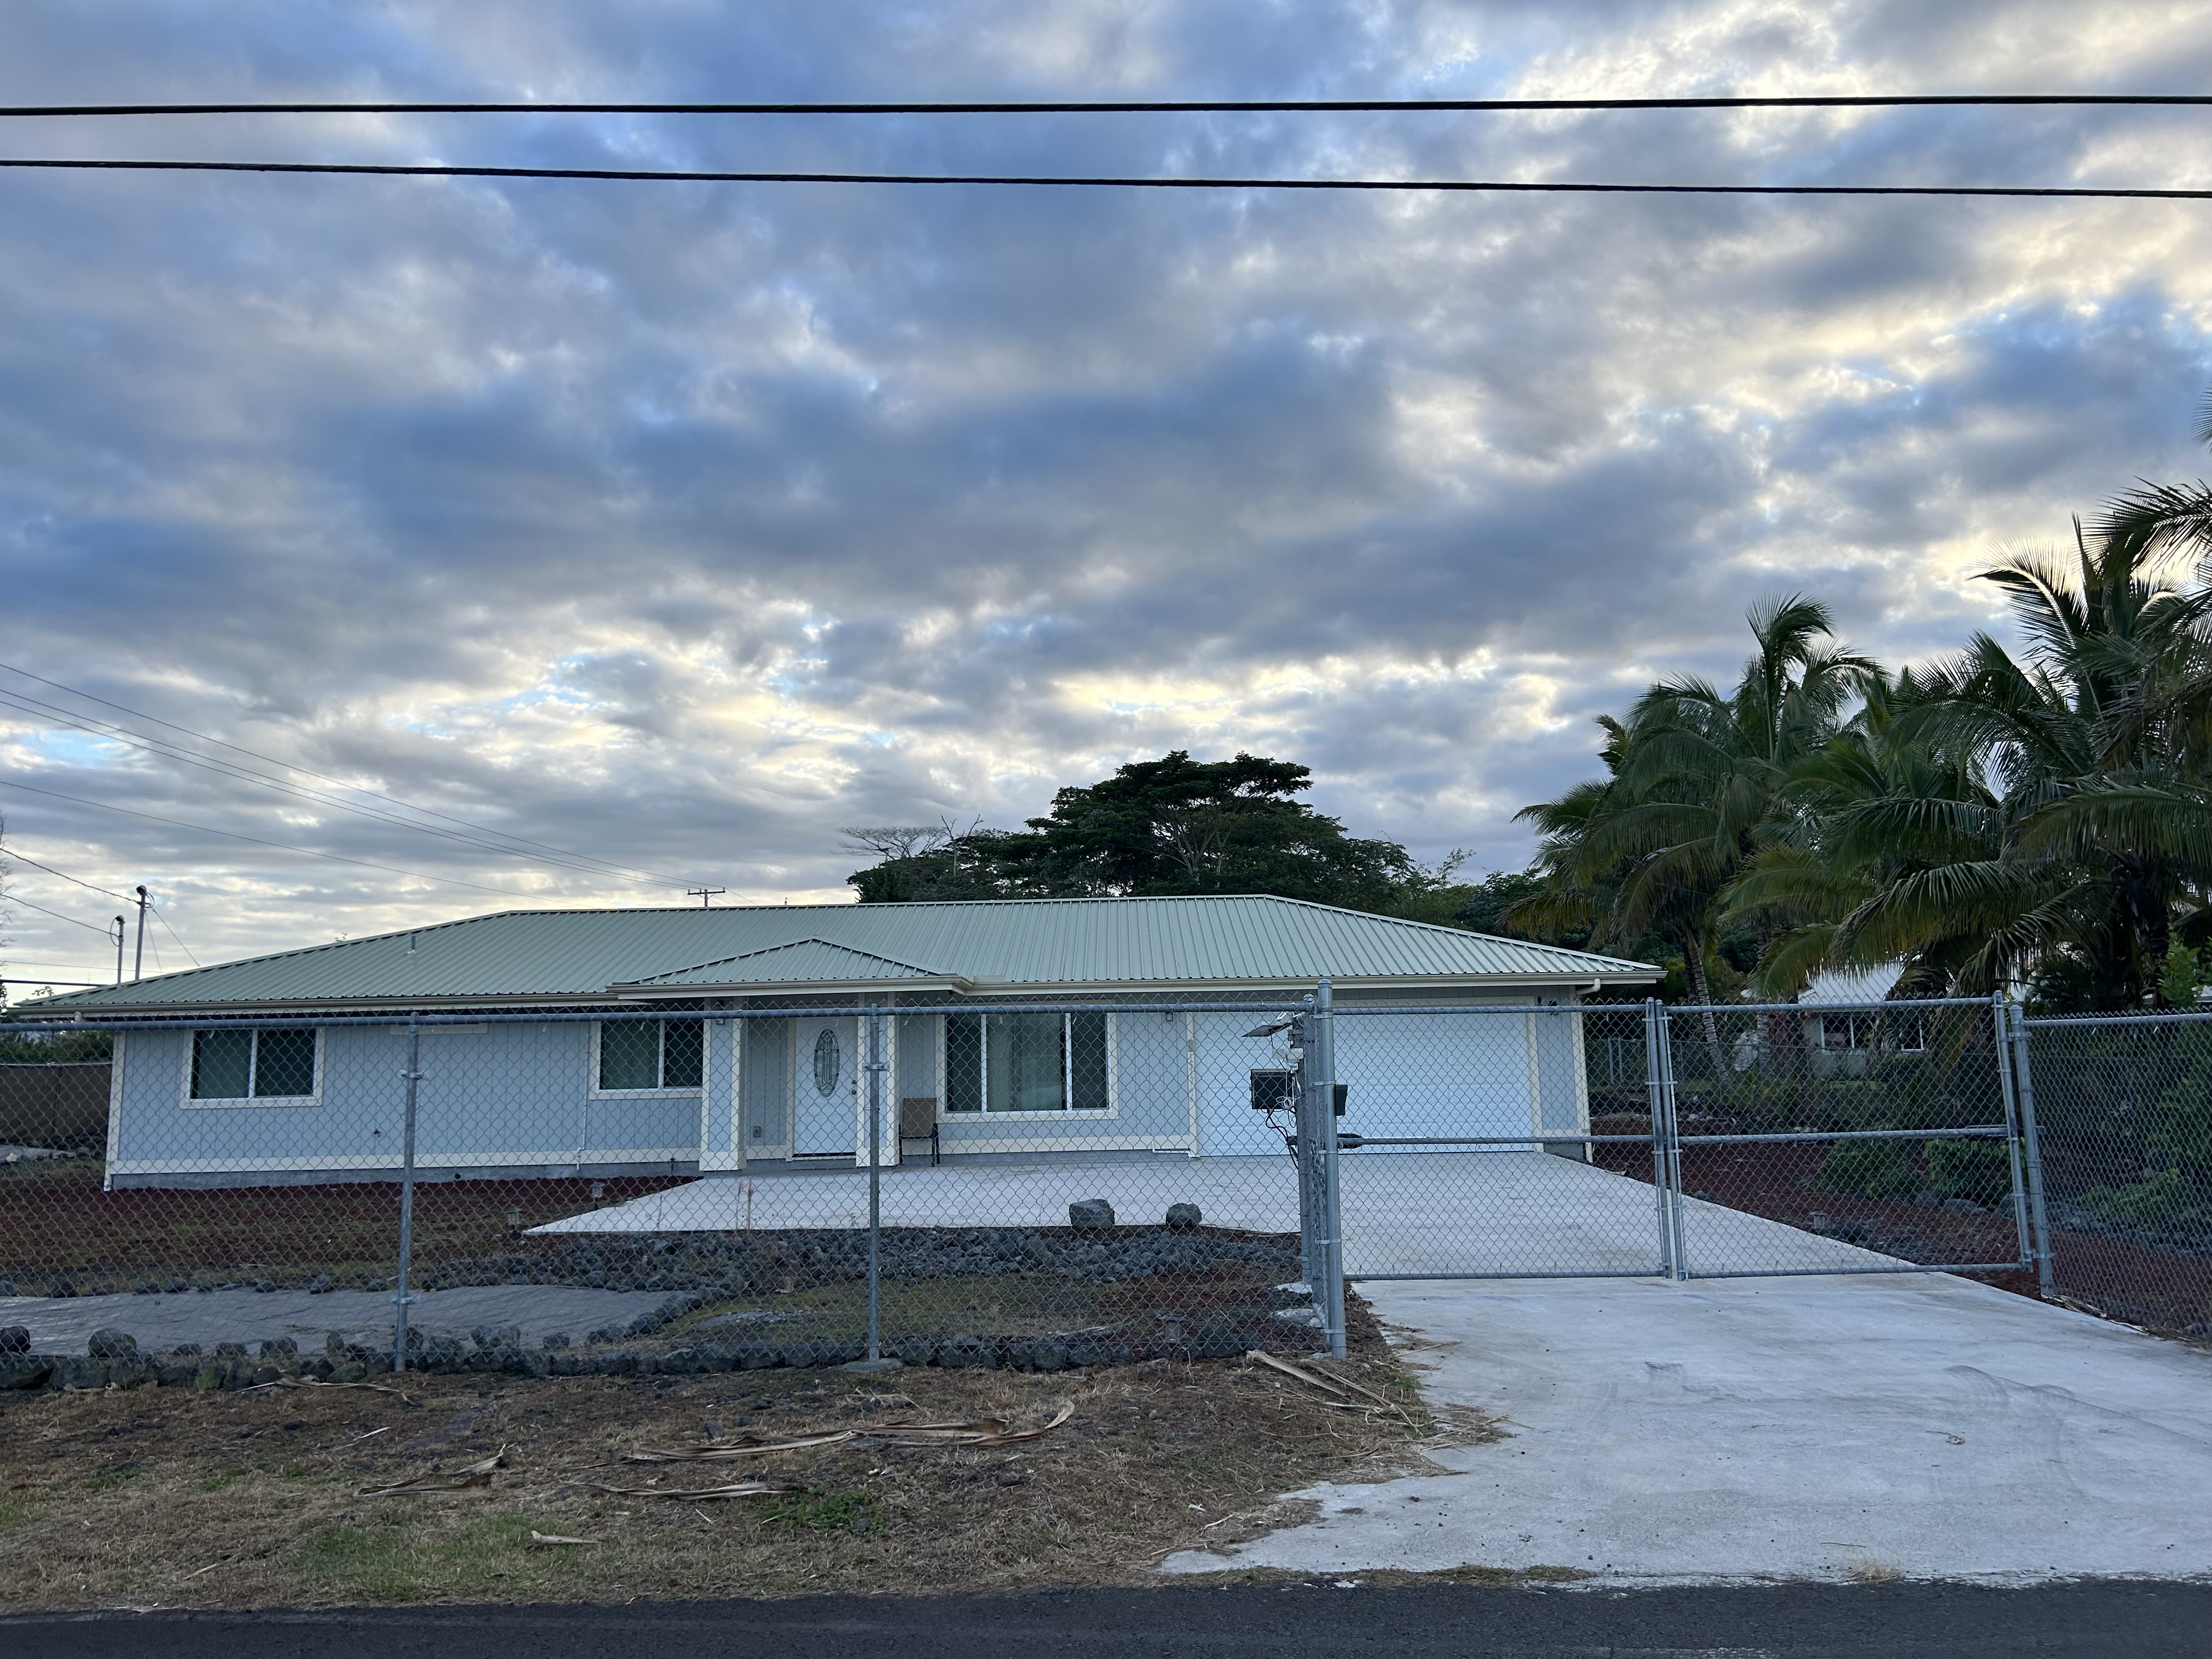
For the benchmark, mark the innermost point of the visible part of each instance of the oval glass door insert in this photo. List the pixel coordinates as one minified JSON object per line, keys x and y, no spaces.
{"x":828,"y":1062}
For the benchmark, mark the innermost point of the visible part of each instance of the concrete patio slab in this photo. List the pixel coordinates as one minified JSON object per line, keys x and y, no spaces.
{"x":1437,"y":1212}
{"x":1819,"y":1429}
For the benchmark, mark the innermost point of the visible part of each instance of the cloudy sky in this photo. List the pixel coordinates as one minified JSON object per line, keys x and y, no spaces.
{"x":674,"y":525}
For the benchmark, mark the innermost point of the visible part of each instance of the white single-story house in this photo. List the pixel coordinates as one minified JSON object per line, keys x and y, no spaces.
{"x":1019,"y":1027}
{"x":1847,"y":1020}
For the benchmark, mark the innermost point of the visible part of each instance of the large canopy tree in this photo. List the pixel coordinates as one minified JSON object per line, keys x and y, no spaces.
{"x":1174,"y":825}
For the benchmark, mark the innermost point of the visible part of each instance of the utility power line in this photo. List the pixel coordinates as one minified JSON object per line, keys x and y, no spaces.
{"x":21,"y":857}
{"x":232,"y":835}
{"x":172,"y":933}
{"x":1166,"y":106}
{"x":17,"y":898}
{"x":1464,"y":186}
{"x":165,"y":750}
{"x":577,"y":860}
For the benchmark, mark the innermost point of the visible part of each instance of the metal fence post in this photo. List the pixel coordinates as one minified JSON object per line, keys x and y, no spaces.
{"x":2001,"y":1023}
{"x":400,"y":1297}
{"x":1320,"y":1061}
{"x":875,"y":1066}
{"x":2045,"y":1277}
{"x":1651,"y":1041}
{"x":1678,"y":1244}
{"x":1307,"y":1135}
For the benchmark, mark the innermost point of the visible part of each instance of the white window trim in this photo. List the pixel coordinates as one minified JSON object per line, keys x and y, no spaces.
{"x":595,"y":1092}
{"x":1910,"y":1025}
{"x":221,"y":1102}
{"x":945,"y":1115}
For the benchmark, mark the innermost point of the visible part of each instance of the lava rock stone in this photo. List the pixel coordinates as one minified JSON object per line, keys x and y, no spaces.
{"x":964,"y":1354}
{"x":1044,"y":1353}
{"x":109,"y":1343}
{"x":15,"y":1339}
{"x":1090,"y":1215}
{"x":26,"y":1370}
{"x":83,"y":1371}
{"x":1184,"y":1216}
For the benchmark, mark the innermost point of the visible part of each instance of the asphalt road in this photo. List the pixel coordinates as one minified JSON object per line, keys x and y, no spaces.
{"x":1303,"y":1621}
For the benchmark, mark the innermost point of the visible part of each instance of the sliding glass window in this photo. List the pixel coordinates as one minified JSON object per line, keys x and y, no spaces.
{"x":1040,"y":1061}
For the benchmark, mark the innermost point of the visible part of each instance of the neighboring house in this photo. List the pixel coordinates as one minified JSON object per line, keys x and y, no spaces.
{"x":1075,"y":1069}
{"x":1847,"y":1022}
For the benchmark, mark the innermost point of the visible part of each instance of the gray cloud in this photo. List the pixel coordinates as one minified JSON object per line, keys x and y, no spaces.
{"x":679,"y":525}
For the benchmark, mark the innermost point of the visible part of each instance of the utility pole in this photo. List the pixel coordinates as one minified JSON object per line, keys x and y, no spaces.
{"x":138,"y":966}
{"x":706,"y":895}
{"x":119,"y":930}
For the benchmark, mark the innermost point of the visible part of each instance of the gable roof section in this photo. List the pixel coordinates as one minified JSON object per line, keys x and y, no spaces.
{"x":802,"y":961}
{"x":555,"y":957}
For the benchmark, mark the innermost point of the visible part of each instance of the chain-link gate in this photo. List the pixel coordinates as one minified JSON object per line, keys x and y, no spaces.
{"x":1685,"y":1142}
{"x":1869,"y":1139}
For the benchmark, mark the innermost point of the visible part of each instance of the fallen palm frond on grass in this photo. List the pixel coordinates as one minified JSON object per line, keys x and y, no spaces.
{"x":743,"y":1446}
{"x":736,"y":1488}
{"x":312,"y":1383}
{"x":981,"y":1431}
{"x":1349,"y":1393}
{"x":475,"y":1476}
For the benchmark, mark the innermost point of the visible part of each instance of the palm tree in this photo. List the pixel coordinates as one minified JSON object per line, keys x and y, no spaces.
{"x":1878,"y":805}
{"x":1997,"y":817}
{"x":1695,"y":786}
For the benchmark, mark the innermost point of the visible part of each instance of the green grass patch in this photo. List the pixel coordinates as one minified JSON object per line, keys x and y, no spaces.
{"x":109,"y":1480}
{"x":825,"y":1511}
{"x":406,"y":1557}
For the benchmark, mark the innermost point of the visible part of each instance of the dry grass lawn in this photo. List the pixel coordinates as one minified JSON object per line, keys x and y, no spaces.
{"x":177,"y":1499}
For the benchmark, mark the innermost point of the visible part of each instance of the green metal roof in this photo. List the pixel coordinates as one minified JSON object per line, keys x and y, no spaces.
{"x":537,"y":956}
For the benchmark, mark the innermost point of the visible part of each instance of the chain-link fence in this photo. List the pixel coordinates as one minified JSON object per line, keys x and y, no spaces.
{"x":1022,"y":1184}
{"x":2124,"y":1109}
{"x":1046,"y":1184}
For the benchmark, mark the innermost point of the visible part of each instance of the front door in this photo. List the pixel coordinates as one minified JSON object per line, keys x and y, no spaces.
{"x":824,"y":1065}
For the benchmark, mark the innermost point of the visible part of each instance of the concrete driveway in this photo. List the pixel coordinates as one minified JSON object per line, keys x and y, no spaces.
{"x":1817,"y":1429}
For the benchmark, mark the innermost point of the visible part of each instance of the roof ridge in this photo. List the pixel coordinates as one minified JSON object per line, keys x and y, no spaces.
{"x":793,"y":944}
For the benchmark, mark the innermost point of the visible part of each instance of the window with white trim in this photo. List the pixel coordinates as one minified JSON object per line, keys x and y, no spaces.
{"x":1904,"y":1033}
{"x":637,"y":1056}
{"x":278,"y":1064}
{"x":1039,"y":1061}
